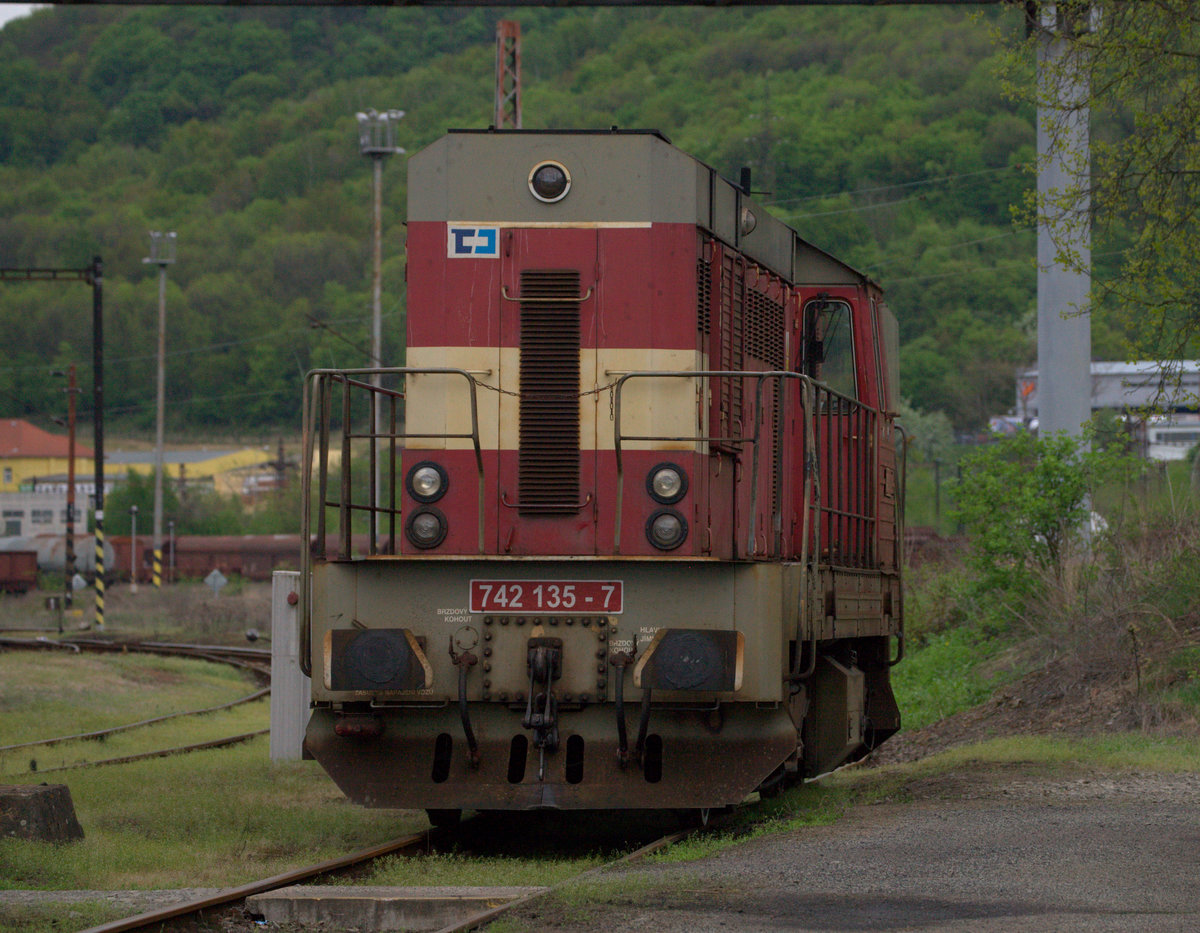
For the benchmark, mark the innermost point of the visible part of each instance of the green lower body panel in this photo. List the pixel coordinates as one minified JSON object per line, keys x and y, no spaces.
{"x":419,"y":758}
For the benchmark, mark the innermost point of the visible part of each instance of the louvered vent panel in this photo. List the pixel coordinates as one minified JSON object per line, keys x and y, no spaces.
{"x":548,"y":460}
{"x":704,"y":275}
{"x":731,"y":350}
{"x":764,"y":329}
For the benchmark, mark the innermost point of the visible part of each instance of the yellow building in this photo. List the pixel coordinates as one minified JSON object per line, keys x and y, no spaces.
{"x":27,"y":452}
{"x":223,"y":470}
{"x":32,"y":459}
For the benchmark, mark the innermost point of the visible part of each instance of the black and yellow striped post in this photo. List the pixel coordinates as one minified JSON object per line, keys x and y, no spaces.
{"x":96,"y":275}
{"x":157,"y":575}
{"x":99,"y":571}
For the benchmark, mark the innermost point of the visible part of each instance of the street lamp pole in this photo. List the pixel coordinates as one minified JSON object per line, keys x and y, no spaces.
{"x":162,"y":254}
{"x":377,"y":139}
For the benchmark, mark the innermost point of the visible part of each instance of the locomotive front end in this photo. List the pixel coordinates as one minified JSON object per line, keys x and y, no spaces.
{"x":570,"y":554}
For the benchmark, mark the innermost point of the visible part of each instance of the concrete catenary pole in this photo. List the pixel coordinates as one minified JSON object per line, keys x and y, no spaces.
{"x":1064,"y":323}
{"x":162,"y":254}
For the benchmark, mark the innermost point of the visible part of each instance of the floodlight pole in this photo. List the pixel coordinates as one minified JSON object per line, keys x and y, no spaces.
{"x":377,"y":139}
{"x":162,"y":254}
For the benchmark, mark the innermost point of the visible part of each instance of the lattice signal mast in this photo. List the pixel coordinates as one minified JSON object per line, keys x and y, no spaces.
{"x":508,"y":75}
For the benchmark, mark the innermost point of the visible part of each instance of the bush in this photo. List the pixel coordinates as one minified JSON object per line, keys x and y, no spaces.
{"x":1026,"y":504}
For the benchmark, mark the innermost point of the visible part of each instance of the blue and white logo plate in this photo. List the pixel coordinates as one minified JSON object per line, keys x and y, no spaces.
{"x":474,"y":242}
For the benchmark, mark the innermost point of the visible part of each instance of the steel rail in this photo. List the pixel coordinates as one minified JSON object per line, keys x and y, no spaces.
{"x":101,"y":733}
{"x":156,"y":917}
{"x":226,"y":654}
{"x":158,"y":753}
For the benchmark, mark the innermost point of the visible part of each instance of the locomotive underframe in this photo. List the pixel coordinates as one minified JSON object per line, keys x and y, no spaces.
{"x":699,"y":748}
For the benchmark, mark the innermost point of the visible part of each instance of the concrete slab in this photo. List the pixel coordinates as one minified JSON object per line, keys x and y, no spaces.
{"x":379,"y":908}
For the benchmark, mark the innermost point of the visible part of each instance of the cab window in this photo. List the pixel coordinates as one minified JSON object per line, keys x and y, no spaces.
{"x":830,"y":347}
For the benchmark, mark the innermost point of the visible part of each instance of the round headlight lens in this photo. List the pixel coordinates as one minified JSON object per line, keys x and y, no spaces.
{"x":666,"y":529}
{"x":549,"y":181}
{"x":427,"y":482}
{"x":666,"y":483}
{"x":426,"y":528}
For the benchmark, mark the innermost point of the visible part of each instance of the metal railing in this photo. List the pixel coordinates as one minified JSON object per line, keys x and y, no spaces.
{"x":319,"y":390}
{"x":833,"y":428}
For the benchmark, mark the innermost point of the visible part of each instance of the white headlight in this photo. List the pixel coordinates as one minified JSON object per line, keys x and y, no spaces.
{"x":666,"y":530}
{"x":427,"y":481}
{"x":667,"y":483}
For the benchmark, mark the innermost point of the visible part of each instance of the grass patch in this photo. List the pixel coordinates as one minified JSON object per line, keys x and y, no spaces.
{"x":57,"y":917}
{"x":182,"y":611}
{"x":453,"y":868}
{"x":1117,"y":752}
{"x":46,"y":695}
{"x":211,"y":818}
{"x":814,"y":804}
{"x":954,"y":671}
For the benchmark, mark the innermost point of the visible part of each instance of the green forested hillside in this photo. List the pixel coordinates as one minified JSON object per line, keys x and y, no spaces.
{"x":880,"y":134}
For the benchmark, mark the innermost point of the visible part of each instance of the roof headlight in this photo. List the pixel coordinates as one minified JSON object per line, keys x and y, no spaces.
{"x":549,"y":181}
{"x":667,"y":483}
{"x":427,"y":481}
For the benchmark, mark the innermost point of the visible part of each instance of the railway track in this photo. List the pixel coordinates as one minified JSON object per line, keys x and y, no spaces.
{"x":155,"y":919}
{"x":256,"y":660}
{"x":418,"y":843}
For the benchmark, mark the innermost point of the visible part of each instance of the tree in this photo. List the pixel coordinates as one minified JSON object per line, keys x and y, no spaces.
{"x":1141,"y":65}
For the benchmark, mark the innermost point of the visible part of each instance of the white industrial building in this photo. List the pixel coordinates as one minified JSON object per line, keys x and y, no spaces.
{"x":1161,"y":401}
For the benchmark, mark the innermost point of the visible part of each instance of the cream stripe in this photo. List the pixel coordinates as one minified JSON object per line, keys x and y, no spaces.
{"x":438,"y":404}
{"x":555,"y":225}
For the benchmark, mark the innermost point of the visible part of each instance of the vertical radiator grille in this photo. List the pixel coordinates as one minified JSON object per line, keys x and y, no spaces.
{"x":548,"y":460}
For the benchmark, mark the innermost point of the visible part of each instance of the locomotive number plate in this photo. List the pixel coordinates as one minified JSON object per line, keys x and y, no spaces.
{"x":547,"y":596}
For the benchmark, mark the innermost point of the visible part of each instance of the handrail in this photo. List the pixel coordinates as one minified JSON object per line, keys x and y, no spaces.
{"x":902,"y":504}
{"x":810,"y":394}
{"x":617,"y":388}
{"x":543,"y":300}
{"x":317,"y":383}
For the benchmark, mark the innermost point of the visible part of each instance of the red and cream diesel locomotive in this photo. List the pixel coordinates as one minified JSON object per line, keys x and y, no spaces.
{"x":625,"y":529}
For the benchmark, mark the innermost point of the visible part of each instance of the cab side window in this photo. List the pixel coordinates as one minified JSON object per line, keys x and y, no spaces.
{"x":829,"y":349}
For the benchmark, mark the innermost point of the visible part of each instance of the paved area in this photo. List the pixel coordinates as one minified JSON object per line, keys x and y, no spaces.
{"x":1103,"y":853}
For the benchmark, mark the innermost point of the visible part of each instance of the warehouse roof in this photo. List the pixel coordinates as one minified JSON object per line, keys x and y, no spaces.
{"x":21,"y":439}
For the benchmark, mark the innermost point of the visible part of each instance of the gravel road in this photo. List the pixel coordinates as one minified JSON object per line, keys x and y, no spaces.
{"x":991,"y":851}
